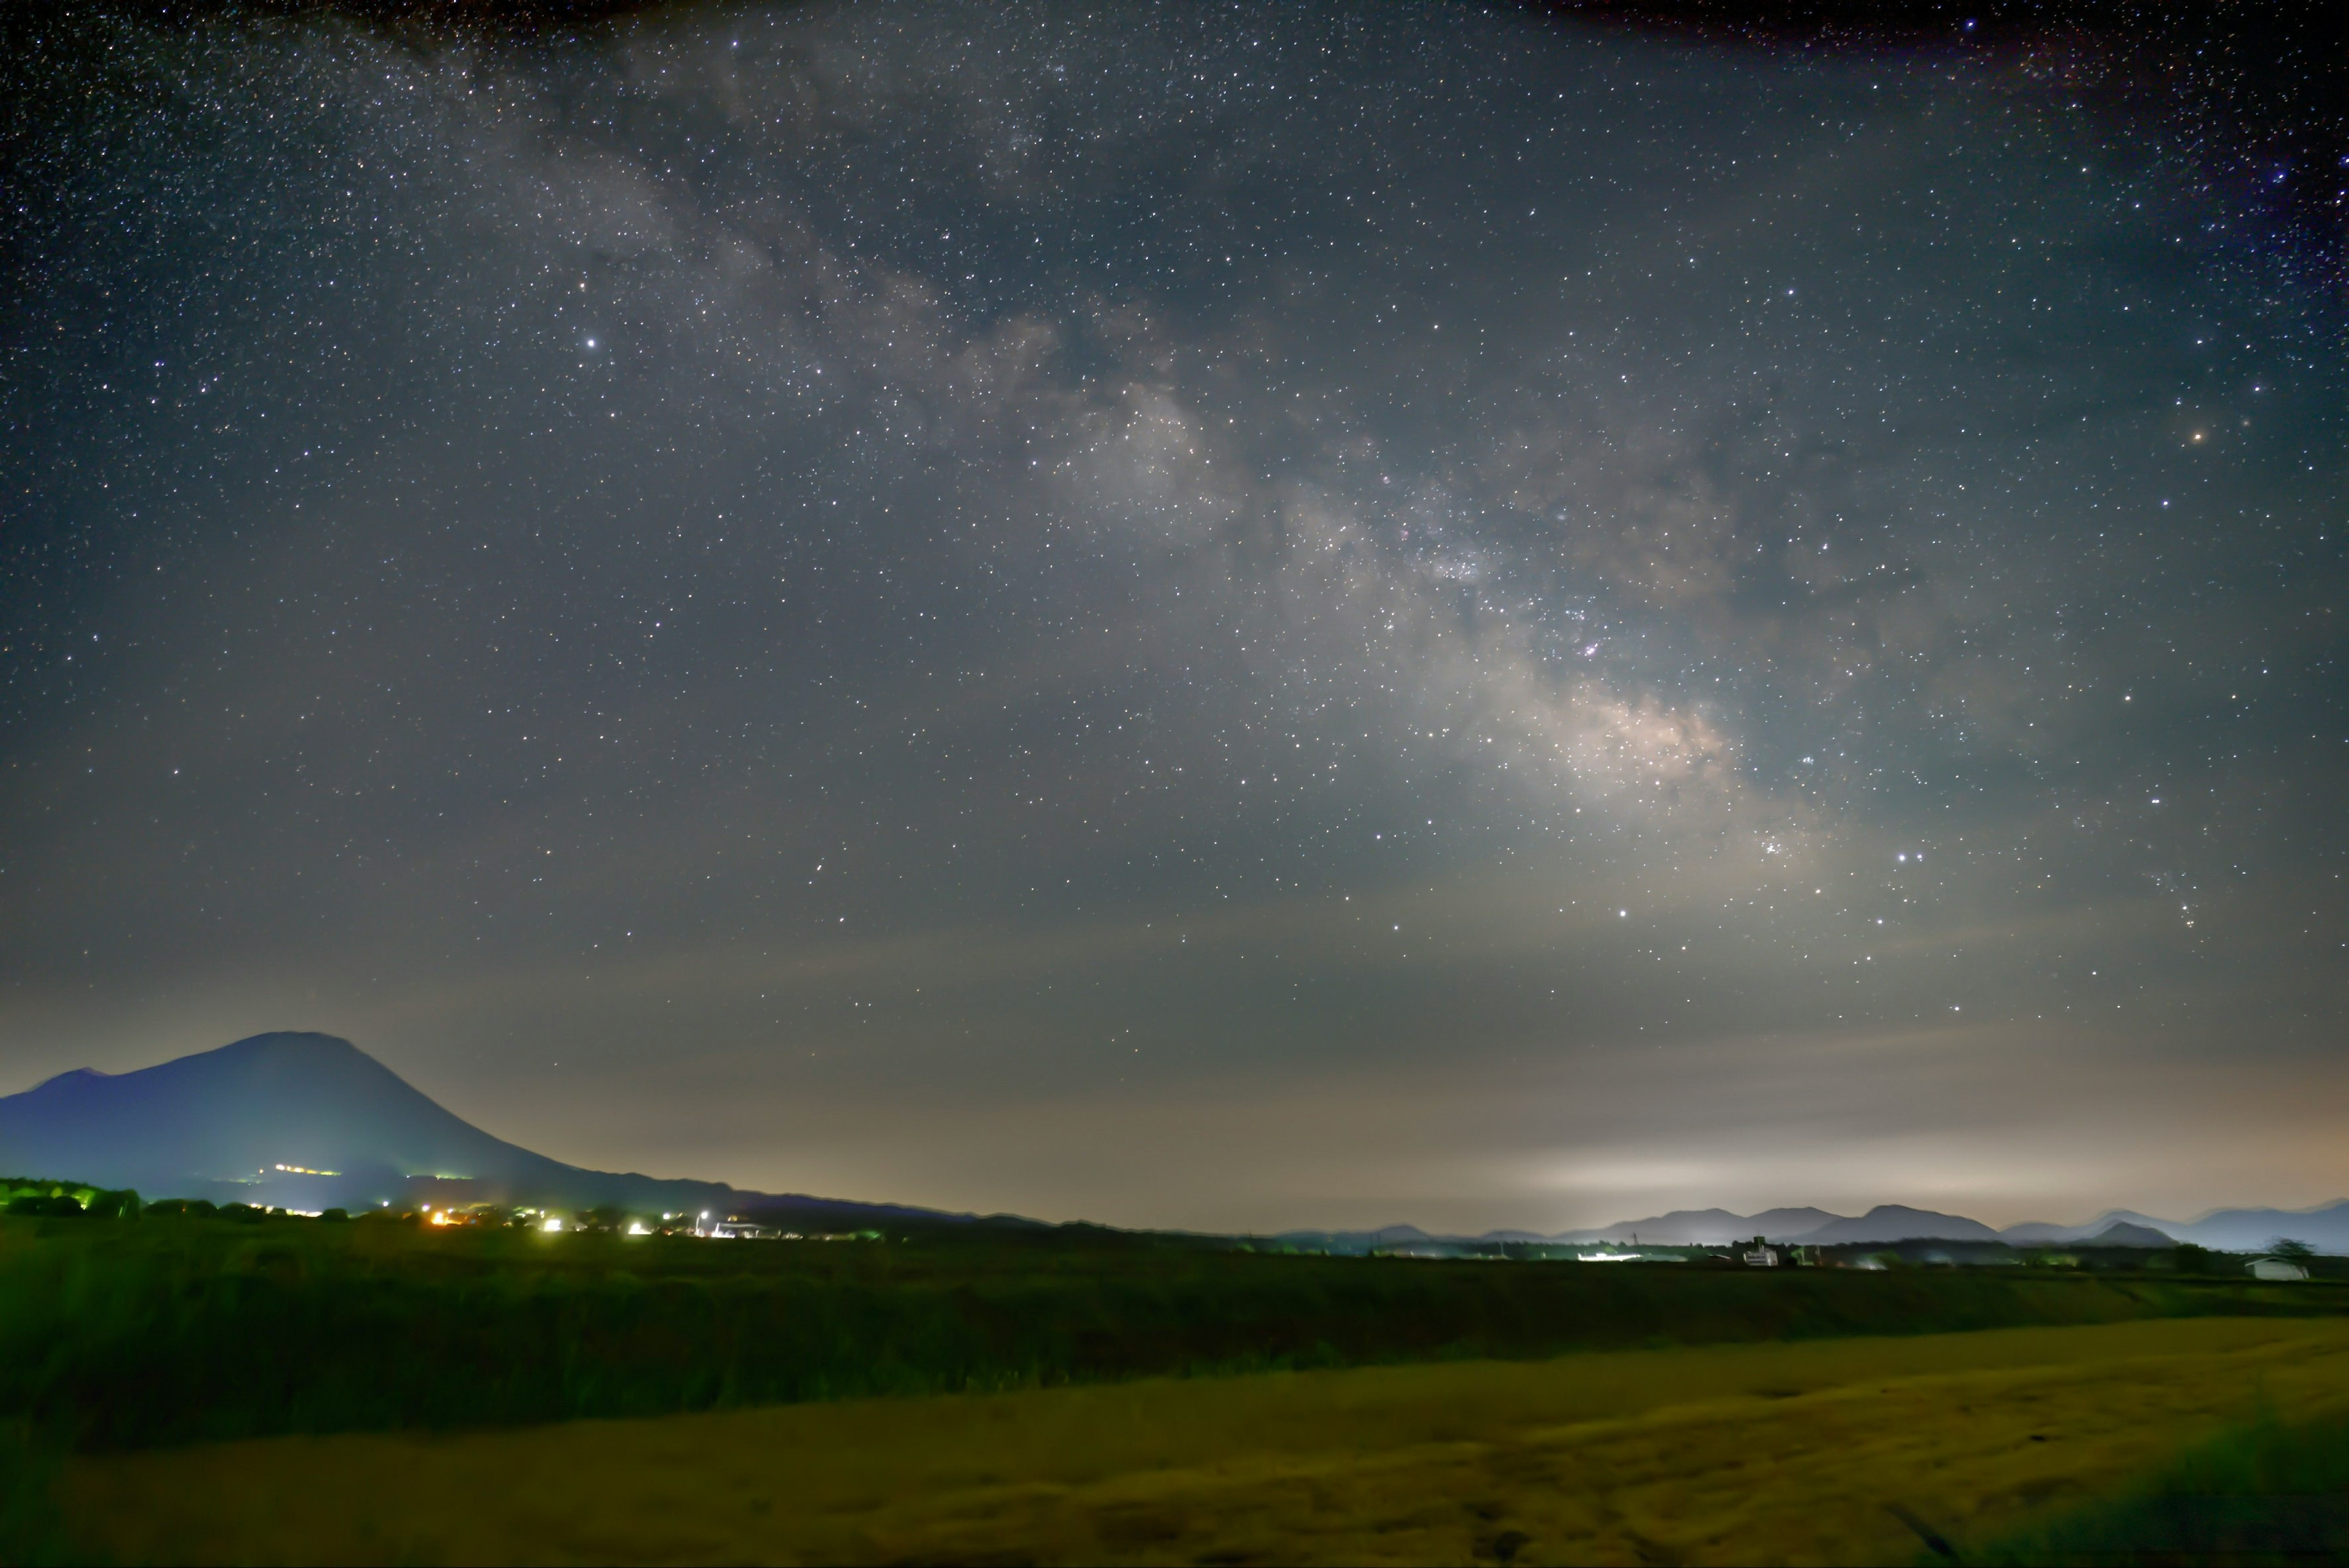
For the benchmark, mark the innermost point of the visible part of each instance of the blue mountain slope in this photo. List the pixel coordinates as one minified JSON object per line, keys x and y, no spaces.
{"x":2255,"y":1230}
{"x":2227,"y":1229}
{"x":229,"y":1119}
{"x":311,"y":1121}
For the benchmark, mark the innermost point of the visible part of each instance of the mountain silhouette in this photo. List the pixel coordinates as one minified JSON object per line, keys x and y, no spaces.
{"x":1898,"y":1222}
{"x":2252,"y":1230}
{"x":311,"y":1121}
{"x":2227,"y":1230}
{"x":1708,"y":1227}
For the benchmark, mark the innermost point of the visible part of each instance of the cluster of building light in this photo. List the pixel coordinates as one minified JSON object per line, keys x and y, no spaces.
{"x":733,"y":1227}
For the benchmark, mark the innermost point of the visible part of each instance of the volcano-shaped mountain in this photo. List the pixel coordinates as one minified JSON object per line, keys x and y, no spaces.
{"x":311,"y":1121}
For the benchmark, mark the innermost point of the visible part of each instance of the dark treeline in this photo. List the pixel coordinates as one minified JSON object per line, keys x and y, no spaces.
{"x":176,"y":1329}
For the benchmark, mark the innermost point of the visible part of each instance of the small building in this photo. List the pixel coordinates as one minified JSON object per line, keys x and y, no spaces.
{"x":2278,"y":1268}
{"x":1761,"y":1255}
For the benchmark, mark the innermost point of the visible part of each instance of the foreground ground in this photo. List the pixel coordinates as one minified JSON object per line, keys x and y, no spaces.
{"x":1803,"y":1452}
{"x":120,"y":1335}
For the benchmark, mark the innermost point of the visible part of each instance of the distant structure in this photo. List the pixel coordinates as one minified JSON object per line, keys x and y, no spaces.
{"x":2278,"y":1268}
{"x":734,"y":1227}
{"x":1762,"y":1255}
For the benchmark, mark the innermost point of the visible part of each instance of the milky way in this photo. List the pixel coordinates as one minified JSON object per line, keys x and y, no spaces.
{"x":1185,"y":616}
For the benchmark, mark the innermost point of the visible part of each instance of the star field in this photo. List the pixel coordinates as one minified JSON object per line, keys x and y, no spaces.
{"x":1182,"y":616}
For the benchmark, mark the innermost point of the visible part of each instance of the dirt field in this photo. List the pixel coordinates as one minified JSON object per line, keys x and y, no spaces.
{"x":1784,"y":1453}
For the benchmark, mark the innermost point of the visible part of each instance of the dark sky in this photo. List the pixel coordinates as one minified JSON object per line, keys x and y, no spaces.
{"x":1186,"y":617}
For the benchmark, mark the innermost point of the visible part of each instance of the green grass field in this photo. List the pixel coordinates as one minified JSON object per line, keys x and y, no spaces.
{"x":2271,"y":1490}
{"x":136,"y":1333}
{"x":1801,"y":1452}
{"x":179,"y":1388}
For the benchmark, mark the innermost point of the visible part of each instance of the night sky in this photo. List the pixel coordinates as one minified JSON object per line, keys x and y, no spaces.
{"x":1208,"y":617}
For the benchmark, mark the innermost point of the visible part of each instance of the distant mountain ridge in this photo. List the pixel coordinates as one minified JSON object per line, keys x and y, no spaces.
{"x":1705,"y":1227}
{"x":2227,"y":1230}
{"x":2326,"y":1228}
{"x":310,"y":1121}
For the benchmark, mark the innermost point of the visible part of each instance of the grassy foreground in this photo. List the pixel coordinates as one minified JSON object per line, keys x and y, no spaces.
{"x":2268,"y":1492}
{"x":126,"y":1333}
{"x":1745,"y":1453}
